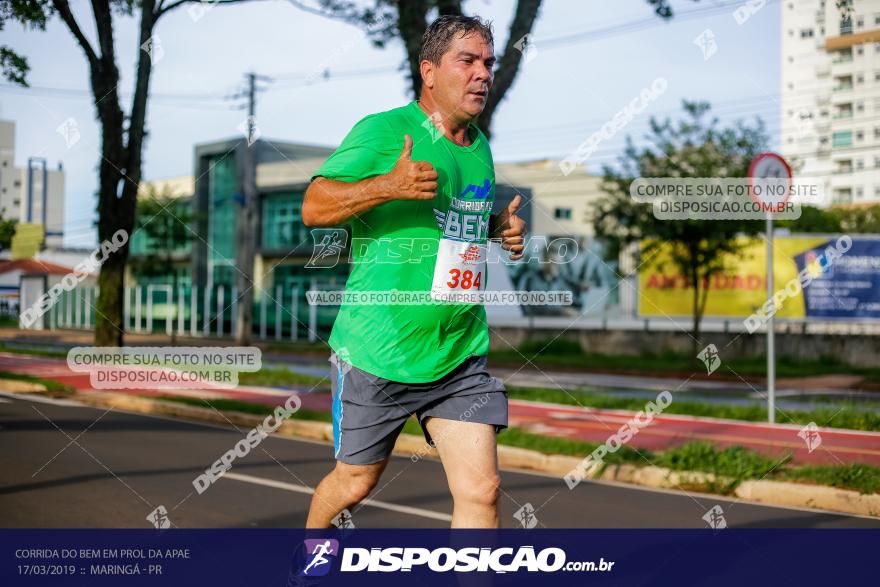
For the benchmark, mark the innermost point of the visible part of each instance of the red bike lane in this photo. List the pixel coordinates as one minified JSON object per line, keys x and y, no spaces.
{"x":832,"y":446}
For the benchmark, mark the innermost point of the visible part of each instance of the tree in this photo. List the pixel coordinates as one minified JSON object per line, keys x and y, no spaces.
{"x":858,"y":219}
{"x":813,"y":219}
{"x":165,"y":226}
{"x":7,"y":231}
{"x":695,"y":146}
{"x":846,"y":219}
{"x":122,"y":136}
{"x":407,"y":20}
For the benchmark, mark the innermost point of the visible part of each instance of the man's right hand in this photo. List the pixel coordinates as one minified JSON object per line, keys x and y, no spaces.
{"x":411,"y":180}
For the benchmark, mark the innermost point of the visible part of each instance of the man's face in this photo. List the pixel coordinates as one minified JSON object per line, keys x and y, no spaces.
{"x":462,"y":80}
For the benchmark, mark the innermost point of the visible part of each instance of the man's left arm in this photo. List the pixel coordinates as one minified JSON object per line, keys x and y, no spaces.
{"x":509,"y":228}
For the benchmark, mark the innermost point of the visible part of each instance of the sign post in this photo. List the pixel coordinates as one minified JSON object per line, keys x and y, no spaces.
{"x":769,"y":166}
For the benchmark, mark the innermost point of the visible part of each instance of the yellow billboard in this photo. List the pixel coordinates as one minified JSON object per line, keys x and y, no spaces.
{"x":737,"y":291}
{"x":27,"y":240}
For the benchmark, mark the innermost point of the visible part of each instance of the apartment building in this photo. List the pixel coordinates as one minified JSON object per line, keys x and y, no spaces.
{"x":831,"y":95}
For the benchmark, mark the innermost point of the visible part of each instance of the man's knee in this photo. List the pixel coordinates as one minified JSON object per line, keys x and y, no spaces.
{"x":357,"y":481}
{"x":481,"y":490}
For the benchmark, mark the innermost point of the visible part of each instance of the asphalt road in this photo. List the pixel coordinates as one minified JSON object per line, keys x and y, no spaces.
{"x":65,"y":465}
{"x":830,"y":446}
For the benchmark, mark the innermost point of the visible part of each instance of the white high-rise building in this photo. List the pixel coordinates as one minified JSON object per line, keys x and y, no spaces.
{"x":33,"y":194}
{"x":830,"y":124}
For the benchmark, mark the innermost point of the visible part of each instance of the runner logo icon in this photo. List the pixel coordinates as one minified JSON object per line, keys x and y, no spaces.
{"x":321,"y":553}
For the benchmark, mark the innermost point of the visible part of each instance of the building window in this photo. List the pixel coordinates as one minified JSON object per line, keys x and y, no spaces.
{"x":806,"y":33}
{"x":842,"y":196}
{"x":841,"y":138}
{"x":562,"y":213}
{"x":859,"y":135}
{"x":860,"y":22}
{"x":859,"y":192}
{"x":282,"y":221}
{"x":877,"y":132}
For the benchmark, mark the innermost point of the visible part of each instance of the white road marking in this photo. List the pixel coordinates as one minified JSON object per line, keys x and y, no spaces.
{"x":370,"y":502}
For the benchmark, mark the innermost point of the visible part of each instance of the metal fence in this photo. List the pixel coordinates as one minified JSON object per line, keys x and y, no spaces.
{"x":279,"y":313}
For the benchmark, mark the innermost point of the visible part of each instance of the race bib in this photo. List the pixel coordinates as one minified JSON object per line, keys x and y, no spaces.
{"x":460,"y":272}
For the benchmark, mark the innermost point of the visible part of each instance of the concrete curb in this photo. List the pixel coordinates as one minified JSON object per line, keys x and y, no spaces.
{"x":774,"y":493}
{"x":16,"y":386}
{"x":817,"y":496}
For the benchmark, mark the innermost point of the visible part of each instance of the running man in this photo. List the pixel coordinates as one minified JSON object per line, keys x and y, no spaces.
{"x":421,"y":178}
{"x":319,"y":553}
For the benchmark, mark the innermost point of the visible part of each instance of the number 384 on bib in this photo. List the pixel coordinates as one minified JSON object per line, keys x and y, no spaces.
{"x":461,"y":266}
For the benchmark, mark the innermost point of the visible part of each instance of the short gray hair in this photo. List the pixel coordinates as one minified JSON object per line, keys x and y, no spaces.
{"x":441,"y":32}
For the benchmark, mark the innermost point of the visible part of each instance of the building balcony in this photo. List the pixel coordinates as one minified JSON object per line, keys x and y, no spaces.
{"x":846,"y":40}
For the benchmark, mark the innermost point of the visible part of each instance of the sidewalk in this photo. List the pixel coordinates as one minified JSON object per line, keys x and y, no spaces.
{"x":571,"y":422}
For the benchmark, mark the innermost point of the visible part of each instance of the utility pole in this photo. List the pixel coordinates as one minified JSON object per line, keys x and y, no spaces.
{"x":246,"y":218}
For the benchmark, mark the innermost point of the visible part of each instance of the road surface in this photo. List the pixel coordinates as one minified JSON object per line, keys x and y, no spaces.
{"x":66,"y":465}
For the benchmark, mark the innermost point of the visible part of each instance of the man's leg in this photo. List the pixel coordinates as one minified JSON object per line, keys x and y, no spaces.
{"x":470,"y":459}
{"x":345,"y":486}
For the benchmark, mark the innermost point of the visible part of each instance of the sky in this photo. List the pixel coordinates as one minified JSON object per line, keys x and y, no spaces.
{"x":589,"y":59}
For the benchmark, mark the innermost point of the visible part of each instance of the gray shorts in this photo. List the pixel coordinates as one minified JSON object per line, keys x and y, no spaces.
{"x":369,"y":412}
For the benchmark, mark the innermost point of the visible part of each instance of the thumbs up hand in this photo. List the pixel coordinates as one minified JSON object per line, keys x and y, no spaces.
{"x":511,"y":229}
{"x":411,"y":180}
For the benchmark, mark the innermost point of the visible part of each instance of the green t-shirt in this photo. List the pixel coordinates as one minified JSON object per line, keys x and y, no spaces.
{"x":411,"y":343}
